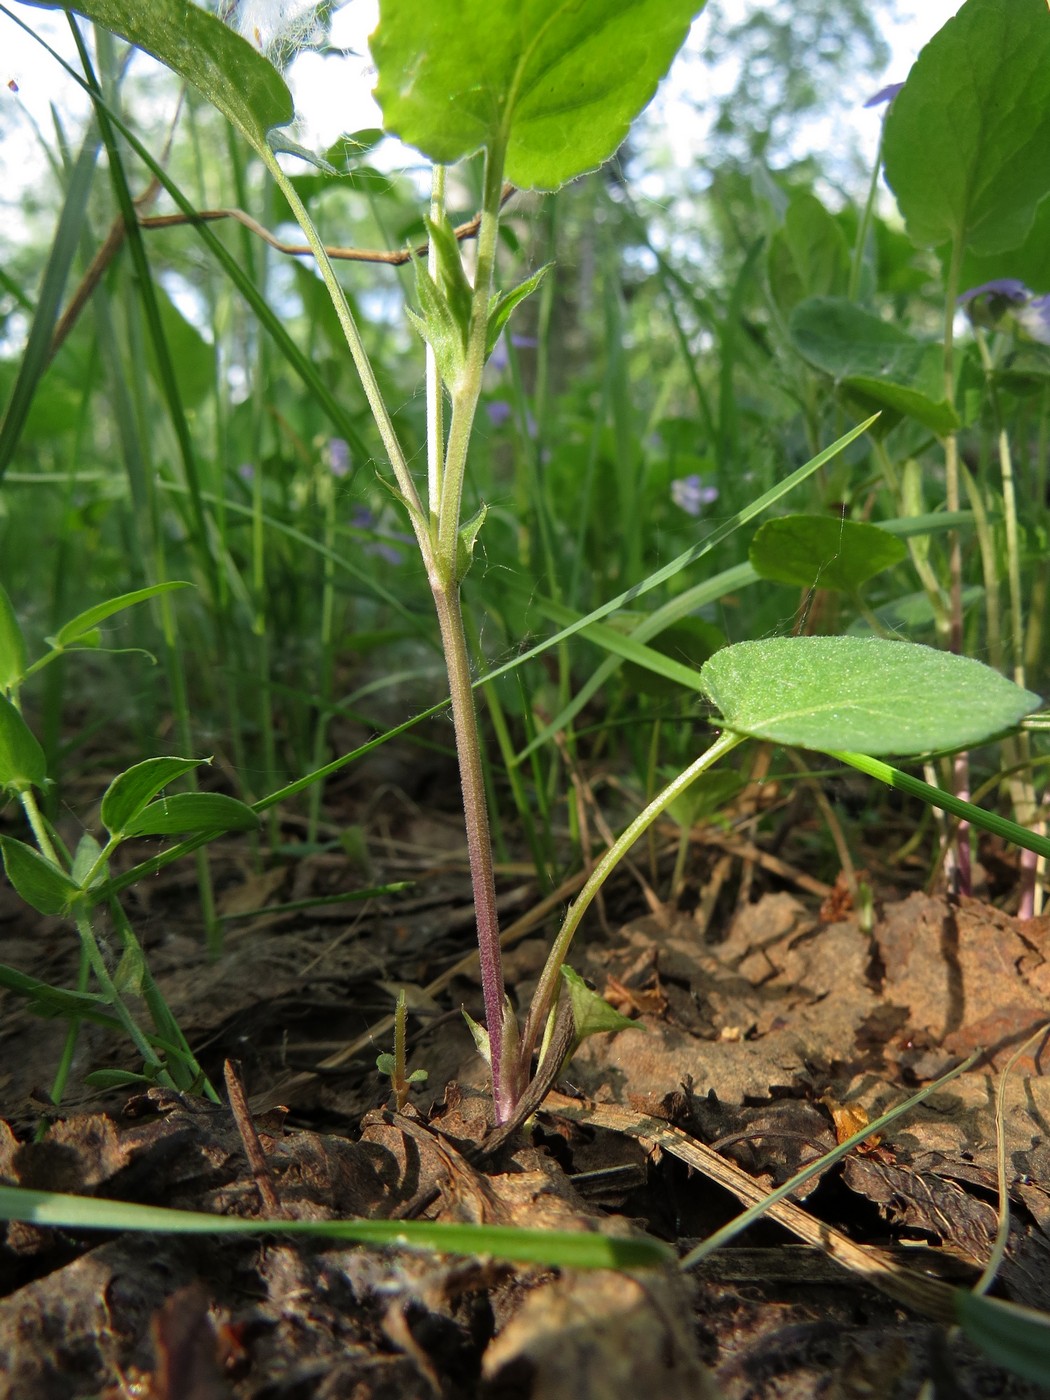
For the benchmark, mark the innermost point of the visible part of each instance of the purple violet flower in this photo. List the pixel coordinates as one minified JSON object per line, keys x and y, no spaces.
{"x":246,"y":471}
{"x":1031,"y":312}
{"x":498,"y":411}
{"x":691,"y":495}
{"x":338,"y":456}
{"x":1011,"y":289}
{"x":884,"y":94}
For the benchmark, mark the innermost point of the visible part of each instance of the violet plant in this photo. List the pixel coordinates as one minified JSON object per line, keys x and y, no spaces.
{"x":541,"y":92}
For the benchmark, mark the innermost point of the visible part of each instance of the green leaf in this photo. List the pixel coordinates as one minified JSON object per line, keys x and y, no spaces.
{"x":244,"y":85}
{"x":556,"y":1248}
{"x":46,"y":1000}
{"x":192,"y":811}
{"x":1029,"y":262}
{"x":480,"y":1037}
{"x":193,"y":358}
{"x":706,"y":795}
{"x":130,"y":791}
{"x":875,"y":359}
{"x":22,"y":762}
{"x":79,"y":627}
{"x":36,"y":357}
{"x":13,"y":656}
{"x":501,"y":306}
{"x":117,"y":1079}
{"x":85,"y":859}
{"x":555,"y":83}
{"x":1013,"y":1336}
{"x":809,"y":256}
{"x":966,"y":138}
{"x":591,"y":1013}
{"x":40,"y":883}
{"x":861,"y":693}
{"x":816,"y":551}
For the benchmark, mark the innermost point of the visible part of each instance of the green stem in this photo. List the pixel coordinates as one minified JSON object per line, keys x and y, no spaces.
{"x":547,"y":987}
{"x":90,"y":945}
{"x":359,"y":354}
{"x":435,"y":390}
{"x":36,"y":821}
{"x":467,"y":391}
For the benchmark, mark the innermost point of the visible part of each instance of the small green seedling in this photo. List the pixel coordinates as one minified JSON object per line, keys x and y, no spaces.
{"x":75,"y":885}
{"x":393,"y":1066}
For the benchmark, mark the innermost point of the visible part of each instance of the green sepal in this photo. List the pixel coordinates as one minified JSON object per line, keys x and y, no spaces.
{"x":41,"y":883}
{"x":22,"y":762}
{"x":13,"y":656}
{"x":465,"y":542}
{"x":503,"y":303}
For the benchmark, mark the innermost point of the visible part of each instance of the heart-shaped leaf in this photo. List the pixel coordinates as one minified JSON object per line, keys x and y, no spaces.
{"x":861,"y":694}
{"x":966,"y":138}
{"x":816,"y":551}
{"x":554,"y":83}
{"x":874,"y":359}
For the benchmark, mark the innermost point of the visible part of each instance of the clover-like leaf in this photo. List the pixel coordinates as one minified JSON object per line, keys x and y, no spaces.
{"x":553,"y":83}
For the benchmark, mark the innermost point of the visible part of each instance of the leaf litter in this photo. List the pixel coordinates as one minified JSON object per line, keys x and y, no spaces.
{"x":756,"y":1039}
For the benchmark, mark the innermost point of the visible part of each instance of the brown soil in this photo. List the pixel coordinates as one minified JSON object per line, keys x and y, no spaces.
{"x":765,"y":1027}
